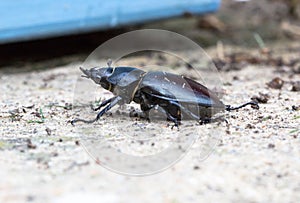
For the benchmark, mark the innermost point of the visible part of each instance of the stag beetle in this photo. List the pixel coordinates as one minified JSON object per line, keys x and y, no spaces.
{"x":176,"y":96}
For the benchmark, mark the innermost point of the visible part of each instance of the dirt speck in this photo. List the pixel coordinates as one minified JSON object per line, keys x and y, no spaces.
{"x":270,"y":145}
{"x":295,"y":86}
{"x":48,"y":131}
{"x":30,"y":145}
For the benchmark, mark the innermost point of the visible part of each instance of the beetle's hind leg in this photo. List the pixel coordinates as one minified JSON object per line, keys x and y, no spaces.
{"x":112,"y":103}
{"x":252,"y":103}
{"x":170,"y":117}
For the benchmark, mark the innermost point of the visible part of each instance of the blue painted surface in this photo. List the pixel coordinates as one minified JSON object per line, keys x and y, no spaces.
{"x":31,"y":19}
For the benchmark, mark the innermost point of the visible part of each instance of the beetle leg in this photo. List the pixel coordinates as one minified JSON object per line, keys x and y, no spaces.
{"x":202,"y":121}
{"x":252,"y":103}
{"x":205,"y":121}
{"x":183,"y":109}
{"x":146,"y":107}
{"x":145,"y":115}
{"x":114,"y":101}
{"x":104,"y":103}
{"x":212,"y":120}
{"x":173,"y":119}
{"x":169,"y":117}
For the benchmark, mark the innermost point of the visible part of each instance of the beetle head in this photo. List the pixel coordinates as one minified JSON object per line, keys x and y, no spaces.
{"x":98,"y":75}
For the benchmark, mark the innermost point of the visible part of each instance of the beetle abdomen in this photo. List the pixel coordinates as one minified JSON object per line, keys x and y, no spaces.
{"x":173,"y":87}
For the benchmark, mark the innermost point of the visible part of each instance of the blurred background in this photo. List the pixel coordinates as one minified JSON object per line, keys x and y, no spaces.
{"x":64,"y":31}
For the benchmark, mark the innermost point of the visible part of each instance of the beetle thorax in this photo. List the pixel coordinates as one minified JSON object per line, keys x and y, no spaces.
{"x":124,"y":82}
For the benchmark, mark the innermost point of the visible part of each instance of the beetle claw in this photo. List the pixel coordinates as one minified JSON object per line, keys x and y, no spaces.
{"x":175,"y":126}
{"x":205,"y":121}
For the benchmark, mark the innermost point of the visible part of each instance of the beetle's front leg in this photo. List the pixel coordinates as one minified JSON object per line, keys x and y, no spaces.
{"x":114,"y":101}
{"x":104,"y":103}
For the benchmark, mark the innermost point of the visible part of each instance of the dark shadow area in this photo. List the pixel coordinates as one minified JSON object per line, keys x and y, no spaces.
{"x":21,"y":53}
{"x":256,"y":25}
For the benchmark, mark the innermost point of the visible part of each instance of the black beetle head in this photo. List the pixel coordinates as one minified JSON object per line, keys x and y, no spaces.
{"x":109,"y":77}
{"x":98,"y":75}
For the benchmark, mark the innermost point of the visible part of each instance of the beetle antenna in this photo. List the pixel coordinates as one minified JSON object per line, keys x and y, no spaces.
{"x":109,"y":62}
{"x":252,"y":103}
{"x":114,"y":68}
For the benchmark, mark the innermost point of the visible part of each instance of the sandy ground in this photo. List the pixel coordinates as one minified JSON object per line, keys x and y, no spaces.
{"x":256,"y":158}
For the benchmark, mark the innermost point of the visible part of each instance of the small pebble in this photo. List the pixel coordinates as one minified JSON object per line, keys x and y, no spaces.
{"x":276,"y":83}
{"x":295,"y":86}
{"x":249,"y":126}
{"x":49,"y":131}
{"x":261,"y":98}
{"x":30,"y":145}
{"x":271,"y":146}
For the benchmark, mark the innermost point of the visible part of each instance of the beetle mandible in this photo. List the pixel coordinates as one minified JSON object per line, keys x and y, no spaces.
{"x":156,"y":89}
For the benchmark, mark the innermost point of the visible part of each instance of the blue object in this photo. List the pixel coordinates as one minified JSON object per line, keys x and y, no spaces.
{"x":32,"y":19}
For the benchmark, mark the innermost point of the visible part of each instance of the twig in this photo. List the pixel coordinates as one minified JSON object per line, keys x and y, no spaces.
{"x":259,"y":41}
{"x":220,"y":50}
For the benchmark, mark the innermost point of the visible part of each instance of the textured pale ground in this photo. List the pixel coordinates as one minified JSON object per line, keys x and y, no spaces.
{"x":259,"y":164}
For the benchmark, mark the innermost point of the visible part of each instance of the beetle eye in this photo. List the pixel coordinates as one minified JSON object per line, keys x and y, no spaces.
{"x":98,"y":79}
{"x":109,"y":70}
